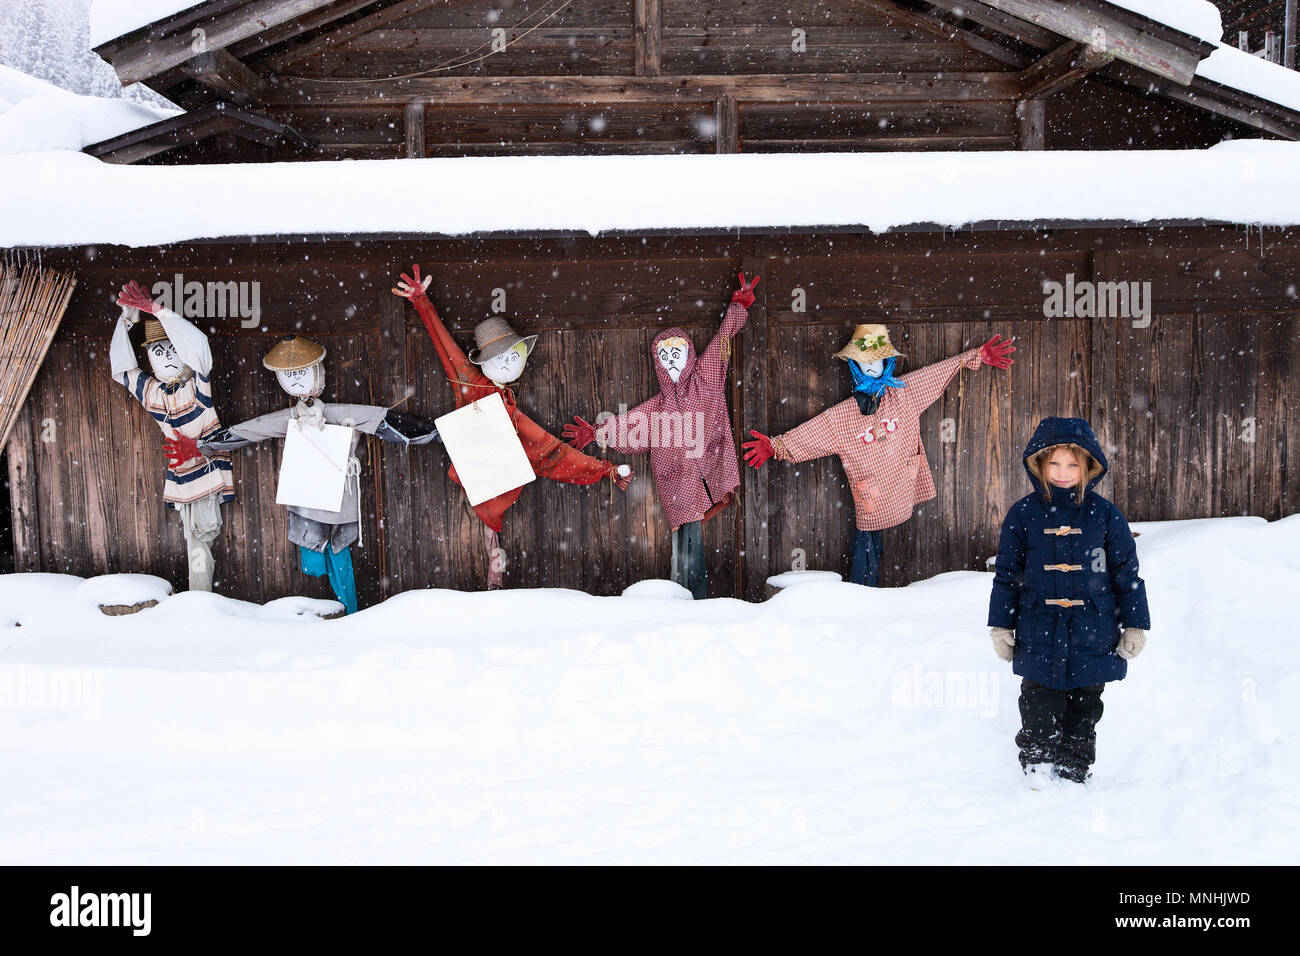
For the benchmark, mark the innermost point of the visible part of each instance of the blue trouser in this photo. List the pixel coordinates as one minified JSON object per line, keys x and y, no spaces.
{"x":867,"y":554}
{"x":688,"y":568}
{"x":339,"y":569}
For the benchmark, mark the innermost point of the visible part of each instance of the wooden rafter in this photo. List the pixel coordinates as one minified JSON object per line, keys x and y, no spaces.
{"x":221,"y":72}
{"x":376,"y":20}
{"x":193,"y":127}
{"x":1064,"y":65}
{"x":747,"y":88}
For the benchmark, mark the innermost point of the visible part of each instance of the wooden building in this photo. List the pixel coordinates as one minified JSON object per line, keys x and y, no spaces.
{"x":1192,"y":406}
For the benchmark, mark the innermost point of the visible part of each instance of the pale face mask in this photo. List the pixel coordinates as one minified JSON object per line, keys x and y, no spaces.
{"x":166,"y":363}
{"x":873,"y":369}
{"x":508,"y":366}
{"x":672,"y":356}
{"x":303,"y":382}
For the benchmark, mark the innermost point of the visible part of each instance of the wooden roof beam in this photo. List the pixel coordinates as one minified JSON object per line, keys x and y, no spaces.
{"x":941,"y":26}
{"x":380,"y":18}
{"x":141,"y":61}
{"x":1057,"y":70}
{"x":219,"y":71}
{"x":744,"y":88}
{"x":1156,"y":54}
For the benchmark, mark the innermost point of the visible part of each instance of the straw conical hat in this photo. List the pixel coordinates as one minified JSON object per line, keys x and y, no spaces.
{"x":869,"y":342}
{"x":153,"y":331}
{"x":292,"y":353}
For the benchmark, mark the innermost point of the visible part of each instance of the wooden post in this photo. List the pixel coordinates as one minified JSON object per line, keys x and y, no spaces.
{"x":413,"y":120}
{"x":395,"y":555}
{"x":1030,"y":115}
{"x":751,"y":412}
{"x":647,"y":30}
{"x":22,"y":494}
{"x":726,"y":117}
{"x":1243,"y":40}
{"x":1289,"y":29}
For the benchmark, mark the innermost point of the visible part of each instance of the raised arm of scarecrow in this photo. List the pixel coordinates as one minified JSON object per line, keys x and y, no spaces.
{"x":188,"y":344}
{"x":717,"y":355}
{"x":925,"y":385}
{"x":454,"y":360}
{"x":627,"y":433}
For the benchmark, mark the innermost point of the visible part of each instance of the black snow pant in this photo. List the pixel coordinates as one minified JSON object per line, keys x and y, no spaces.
{"x":1059,"y":727}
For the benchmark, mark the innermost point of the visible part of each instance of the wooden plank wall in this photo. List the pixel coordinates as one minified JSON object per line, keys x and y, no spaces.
{"x":1170,"y":402}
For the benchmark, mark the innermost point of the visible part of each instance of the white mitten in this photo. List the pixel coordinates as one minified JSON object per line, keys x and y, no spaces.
{"x":1004,"y":641}
{"x":1131,"y":643}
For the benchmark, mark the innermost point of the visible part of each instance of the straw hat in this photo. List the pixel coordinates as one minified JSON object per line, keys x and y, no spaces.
{"x":292,"y":353}
{"x":494,"y":336}
{"x":869,"y":342}
{"x":153,"y":331}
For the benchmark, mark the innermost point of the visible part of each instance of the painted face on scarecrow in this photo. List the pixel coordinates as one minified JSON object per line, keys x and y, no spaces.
{"x":508,"y":366}
{"x":303,"y":382}
{"x":672,"y":356}
{"x":166,"y":362}
{"x":872,"y":369}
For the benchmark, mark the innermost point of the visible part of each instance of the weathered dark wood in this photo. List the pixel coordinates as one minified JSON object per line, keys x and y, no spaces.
{"x":1066,"y":64}
{"x":219,"y":71}
{"x":1031,"y":117}
{"x":726,"y":120}
{"x":143,"y":61}
{"x":413,"y":124}
{"x":649,"y":38}
{"x":24,"y":494}
{"x":767,"y":88}
{"x":749,"y":403}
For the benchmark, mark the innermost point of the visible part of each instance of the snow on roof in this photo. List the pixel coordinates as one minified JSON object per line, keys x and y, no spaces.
{"x":74,"y":199}
{"x":110,"y":19}
{"x":1200,"y":18}
{"x":1252,"y":74}
{"x":37,"y":116}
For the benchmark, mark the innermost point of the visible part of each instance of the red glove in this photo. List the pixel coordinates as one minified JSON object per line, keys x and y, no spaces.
{"x":580,"y":435}
{"x":412,"y":286}
{"x":135,"y":296}
{"x":997,"y":354}
{"x":621,"y":480}
{"x":180,"y":449}
{"x":745,"y":294}
{"x":760,"y":450}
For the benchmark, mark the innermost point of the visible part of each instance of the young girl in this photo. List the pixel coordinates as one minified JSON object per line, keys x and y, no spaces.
{"x":1068,"y":607}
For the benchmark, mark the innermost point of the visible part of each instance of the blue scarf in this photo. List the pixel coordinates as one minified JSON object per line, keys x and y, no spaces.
{"x":864,"y":383}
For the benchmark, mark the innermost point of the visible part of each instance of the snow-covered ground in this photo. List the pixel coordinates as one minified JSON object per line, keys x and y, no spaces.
{"x":832,"y":723}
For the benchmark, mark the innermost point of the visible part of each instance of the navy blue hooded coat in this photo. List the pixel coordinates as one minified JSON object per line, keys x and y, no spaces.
{"x":1066,"y":550}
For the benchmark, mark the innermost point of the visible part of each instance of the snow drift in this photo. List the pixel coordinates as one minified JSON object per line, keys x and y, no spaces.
{"x":831,"y":724}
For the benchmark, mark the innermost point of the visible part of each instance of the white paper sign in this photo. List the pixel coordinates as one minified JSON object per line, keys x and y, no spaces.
{"x":314,"y":467}
{"x":483,"y":445}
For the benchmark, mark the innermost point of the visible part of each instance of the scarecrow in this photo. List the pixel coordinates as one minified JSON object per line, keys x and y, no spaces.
{"x":491,"y":368}
{"x":877,"y":435}
{"x":324,"y":535}
{"x":687,"y":431}
{"x":178,"y":396}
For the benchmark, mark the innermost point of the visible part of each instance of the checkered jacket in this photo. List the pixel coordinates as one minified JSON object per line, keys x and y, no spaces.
{"x":881,"y":453}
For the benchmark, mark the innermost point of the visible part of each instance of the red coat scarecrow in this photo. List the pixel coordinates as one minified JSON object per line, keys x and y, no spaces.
{"x":550,"y":457}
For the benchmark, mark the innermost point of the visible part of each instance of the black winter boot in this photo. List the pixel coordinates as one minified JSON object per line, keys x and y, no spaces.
{"x":1078,"y":748}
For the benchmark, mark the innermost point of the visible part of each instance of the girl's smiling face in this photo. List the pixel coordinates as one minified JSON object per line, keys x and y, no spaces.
{"x":1063,"y":469}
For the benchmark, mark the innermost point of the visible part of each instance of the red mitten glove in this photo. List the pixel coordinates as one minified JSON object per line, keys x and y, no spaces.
{"x":745,"y":294}
{"x":412,"y":286}
{"x":135,"y":296}
{"x":180,"y":449}
{"x":760,"y":450}
{"x":997,"y":354}
{"x":580,"y":435}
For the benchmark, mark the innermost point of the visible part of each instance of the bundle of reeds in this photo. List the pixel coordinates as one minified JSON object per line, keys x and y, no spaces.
{"x":32,"y":303}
